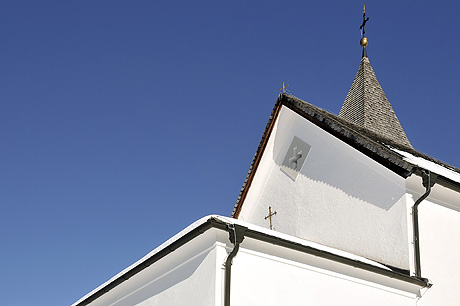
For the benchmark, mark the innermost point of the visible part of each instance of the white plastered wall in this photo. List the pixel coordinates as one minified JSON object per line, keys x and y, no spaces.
{"x":439,"y":220}
{"x":191,"y":275}
{"x":279,"y":276}
{"x":341,"y":198}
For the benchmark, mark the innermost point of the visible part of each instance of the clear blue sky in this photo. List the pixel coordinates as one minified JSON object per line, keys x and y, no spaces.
{"x":122,"y":122}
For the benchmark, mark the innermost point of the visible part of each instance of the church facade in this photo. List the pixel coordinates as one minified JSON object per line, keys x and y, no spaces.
{"x":335,"y":210}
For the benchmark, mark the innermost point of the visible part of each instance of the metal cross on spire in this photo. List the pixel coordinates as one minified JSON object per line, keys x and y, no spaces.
{"x":364,"y":21}
{"x":363,"y":42}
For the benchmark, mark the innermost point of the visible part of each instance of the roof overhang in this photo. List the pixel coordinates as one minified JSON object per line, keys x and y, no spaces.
{"x":356,"y":264}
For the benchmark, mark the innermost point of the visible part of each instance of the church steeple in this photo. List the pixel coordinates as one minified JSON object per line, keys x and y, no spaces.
{"x":367,"y":105}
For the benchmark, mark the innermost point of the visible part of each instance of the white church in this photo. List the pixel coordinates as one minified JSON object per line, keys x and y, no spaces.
{"x":335,"y":210}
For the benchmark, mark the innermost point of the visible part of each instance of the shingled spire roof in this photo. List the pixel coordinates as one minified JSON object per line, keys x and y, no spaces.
{"x":367,"y":106}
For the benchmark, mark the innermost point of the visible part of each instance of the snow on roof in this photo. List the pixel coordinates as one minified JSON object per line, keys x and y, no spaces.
{"x":232,"y":221}
{"x":164,"y":245}
{"x":429,"y":165}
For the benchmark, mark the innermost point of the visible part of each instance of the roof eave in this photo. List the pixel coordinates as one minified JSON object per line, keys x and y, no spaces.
{"x":223,"y":223}
{"x":440,"y":179}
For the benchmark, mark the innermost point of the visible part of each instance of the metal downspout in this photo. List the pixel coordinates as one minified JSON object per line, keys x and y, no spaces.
{"x":428,"y":181}
{"x":236,"y":233}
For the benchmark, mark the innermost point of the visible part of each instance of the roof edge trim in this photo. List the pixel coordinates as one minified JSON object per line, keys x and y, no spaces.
{"x":256,"y":160}
{"x":222,"y":223}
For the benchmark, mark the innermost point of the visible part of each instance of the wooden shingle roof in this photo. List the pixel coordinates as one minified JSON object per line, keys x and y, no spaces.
{"x":366,"y":105}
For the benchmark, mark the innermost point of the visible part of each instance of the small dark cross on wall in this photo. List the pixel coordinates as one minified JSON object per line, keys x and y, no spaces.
{"x":364,"y":20}
{"x":270,"y":214}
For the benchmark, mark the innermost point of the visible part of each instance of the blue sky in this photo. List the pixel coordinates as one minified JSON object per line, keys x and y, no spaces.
{"x":122,"y":122}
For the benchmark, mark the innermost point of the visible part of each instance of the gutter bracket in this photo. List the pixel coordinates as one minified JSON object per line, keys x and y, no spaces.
{"x":428,"y":178}
{"x":238,"y":231}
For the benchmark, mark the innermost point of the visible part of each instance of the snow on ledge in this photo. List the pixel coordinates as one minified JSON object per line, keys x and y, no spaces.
{"x":429,"y":165}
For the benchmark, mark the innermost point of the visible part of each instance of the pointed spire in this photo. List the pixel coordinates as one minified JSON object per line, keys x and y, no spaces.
{"x":367,"y":106}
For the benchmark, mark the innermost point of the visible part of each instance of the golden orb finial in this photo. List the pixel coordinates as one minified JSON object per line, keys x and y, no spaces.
{"x":363,"y":42}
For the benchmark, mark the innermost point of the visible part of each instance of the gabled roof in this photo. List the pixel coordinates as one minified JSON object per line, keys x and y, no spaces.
{"x":386,"y":151}
{"x":366,"y":105}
